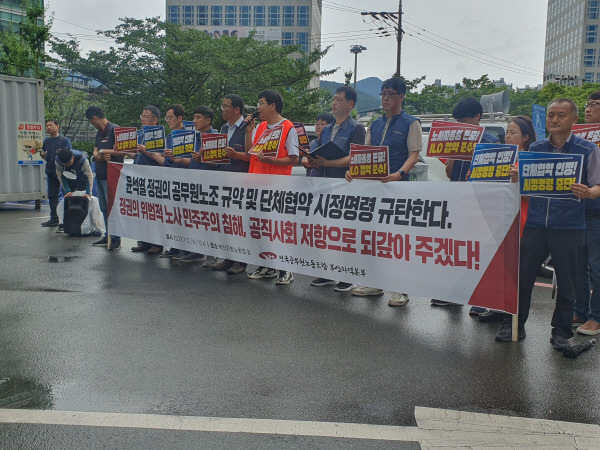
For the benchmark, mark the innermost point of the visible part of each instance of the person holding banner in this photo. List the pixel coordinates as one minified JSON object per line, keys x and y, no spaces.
{"x":50,"y":148}
{"x":232,"y":112}
{"x":150,"y":117}
{"x":280,"y":134}
{"x":401,"y":133}
{"x":104,"y":152}
{"x":587,"y":307}
{"x":174,"y":118}
{"x":203,"y":118}
{"x":519,"y":132}
{"x":343,"y":132}
{"x":467,"y":110}
{"x":556,"y":227}
{"x":323,"y":119}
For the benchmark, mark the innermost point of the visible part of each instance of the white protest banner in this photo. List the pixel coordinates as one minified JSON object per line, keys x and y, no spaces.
{"x":451,"y":241}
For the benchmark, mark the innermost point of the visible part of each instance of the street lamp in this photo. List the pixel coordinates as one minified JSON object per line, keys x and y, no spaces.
{"x":356,"y":49}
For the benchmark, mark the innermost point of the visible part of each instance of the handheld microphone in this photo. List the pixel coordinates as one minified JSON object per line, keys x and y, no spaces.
{"x":244,"y":124}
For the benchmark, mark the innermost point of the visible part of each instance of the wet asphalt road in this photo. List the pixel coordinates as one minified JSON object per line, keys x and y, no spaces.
{"x":116,"y":331}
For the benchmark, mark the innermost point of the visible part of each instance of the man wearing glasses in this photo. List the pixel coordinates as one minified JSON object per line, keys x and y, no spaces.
{"x":150,"y":117}
{"x":232,"y":111}
{"x":174,"y":119}
{"x":587,"y":307}
{"x":401,"y":132}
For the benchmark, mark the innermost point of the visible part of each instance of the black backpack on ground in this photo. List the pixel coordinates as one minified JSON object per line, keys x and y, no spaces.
{"x":76,"y":210}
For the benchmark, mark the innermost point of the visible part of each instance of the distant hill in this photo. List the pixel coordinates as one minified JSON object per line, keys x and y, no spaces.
{"x":370,"y":86}
{"x":366,"y":101}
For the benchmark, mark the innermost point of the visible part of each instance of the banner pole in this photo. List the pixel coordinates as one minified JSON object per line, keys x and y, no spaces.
{"x":515,"y":317}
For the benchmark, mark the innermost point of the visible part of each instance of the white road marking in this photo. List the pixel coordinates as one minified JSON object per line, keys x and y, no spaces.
{"x":211,"y":424}
{"x":35,"y":218}
{"x":437,"y":428}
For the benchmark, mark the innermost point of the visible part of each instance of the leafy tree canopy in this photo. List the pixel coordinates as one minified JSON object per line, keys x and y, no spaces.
{"x":22,"y":49}
{"x":160,"y":63}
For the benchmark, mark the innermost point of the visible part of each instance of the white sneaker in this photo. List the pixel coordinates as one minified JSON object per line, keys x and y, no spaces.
{"x":366,"y":291}
{"x":286,"y":278}
{"x":263,"y":272}
{"x":398,"y":299}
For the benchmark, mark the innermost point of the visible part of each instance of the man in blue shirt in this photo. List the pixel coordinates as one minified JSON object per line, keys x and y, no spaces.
{"x":150,"y":117}
{"x":104,"y":152}
{"x":343,"y":132}
{"x":401,"y":132}
{"x":556,"y":227}
{"x":49,"y":150}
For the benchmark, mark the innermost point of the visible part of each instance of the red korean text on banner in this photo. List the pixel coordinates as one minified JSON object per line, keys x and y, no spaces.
{"x":213,"y":148}
{"x":126,"y":139}
{"x":369,"y":162}
{"x":302,"y":136}
{"x":268,"y":143}
{"x":453,"y":140}
{"x":588,"y":131}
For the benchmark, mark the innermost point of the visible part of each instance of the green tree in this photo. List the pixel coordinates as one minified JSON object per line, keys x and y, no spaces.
{"x":22,"y":51}
{"x":65,"y":103}
{"x":161,"y":63}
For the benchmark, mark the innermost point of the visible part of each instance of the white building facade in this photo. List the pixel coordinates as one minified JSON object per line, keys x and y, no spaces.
{"x":288,"y":22}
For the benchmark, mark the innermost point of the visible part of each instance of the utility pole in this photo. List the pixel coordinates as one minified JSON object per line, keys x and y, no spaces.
{"x":393,"y":19}
{"x":399,"y":33}
{"x":356,"y":49}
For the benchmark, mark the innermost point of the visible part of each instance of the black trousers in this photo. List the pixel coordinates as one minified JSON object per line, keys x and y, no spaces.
{"x":53,"y":191}
{"x":566,"y":248}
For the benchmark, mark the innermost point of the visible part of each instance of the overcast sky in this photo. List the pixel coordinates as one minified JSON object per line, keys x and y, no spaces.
{"x":445,"y":39}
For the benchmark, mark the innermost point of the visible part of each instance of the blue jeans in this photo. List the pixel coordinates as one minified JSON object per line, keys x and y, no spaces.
{"x":102,"y":186}
{"x":588,"y":306}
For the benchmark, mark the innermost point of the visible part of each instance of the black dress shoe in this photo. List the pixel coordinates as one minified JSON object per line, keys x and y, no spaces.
{"x":491,"y":316}
{"x":51,"y":223}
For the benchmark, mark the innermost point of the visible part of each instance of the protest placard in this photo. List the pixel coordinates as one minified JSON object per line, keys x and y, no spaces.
{"x":588,"y":131}
{"x":126,"y":139}
{"x":453,"y":140}
{"x":183,"y":142}
{"x":213,"y":148}
{"x":492,"y":162}
{"x":189,"y":125}
{"x":369,"y":162}
{"x":549,"y":174}
{"x":154,"y":138}
{"x":302,"y":136}
{"x":464,"y":236}
{"x":268,"y":143}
